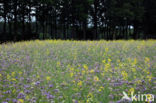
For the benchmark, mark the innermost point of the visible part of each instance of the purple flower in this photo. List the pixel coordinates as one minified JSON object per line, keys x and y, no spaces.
{"x":7,"y":99}
{"x":14,"y":101}
{"x":33,"y":100}
{"x":75,"y":101}
{"x":26,"y":86}
{"x":117,"y":84}
{"x":56,"y":90}
{"x":27,"y":91}
{"x":49,"y":96}
{"x":21,"y":96}
{"x":37,"y":83}
{"x":97,"y":71}
{"x":42,"y":87}
{"x":4,"y":102}
{"x":111,"y":96}
{"x":110,"y":102}
{"x":28,"y":80}
{"x":50,"y":86}
{"x":7,"y":92}
{"x":60,"y":97}
{"x":45,"y":93}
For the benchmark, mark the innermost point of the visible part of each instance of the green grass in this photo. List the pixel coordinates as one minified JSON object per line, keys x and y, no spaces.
{"x":76,"y":71}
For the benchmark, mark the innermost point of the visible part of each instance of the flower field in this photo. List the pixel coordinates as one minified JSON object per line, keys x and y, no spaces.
{"x":55,"y":71}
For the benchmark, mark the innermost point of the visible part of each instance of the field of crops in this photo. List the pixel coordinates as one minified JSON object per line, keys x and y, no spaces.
{"x":76,"y":71}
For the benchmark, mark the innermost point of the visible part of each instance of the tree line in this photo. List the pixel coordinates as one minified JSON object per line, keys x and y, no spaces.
{"x":77,"y":19}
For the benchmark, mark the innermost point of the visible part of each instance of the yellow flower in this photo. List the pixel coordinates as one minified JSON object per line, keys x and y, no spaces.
{"x":118,"y":60}
{"x":139,"y":47}
{"x":96,"y":78}
{"x":73,"y":81}
{"x":149,"y":77}
{"x":92,"y":71}
{"x":68,"y":66}
{"x":129,"y":59}
{"x":13,"y":79}
{"x":13,"y":73}
{"x":109,"y":60}
{"x":58,"y":64}
{"x":106,"y":49}
{"x":89,"y":100}
{"x":104,"y":61}
{"x":27,"y":97}
{"x":131,"y":91}
{"x":90,"y":95}
{"x":20,"y":73}
{"x":79,"y":83}
{"x":149,"y":97}
{"x":138,"y":81}
{"x":85,"y":67}
{"x":125,"y":75}
{"x":0,"y":75}
{"x":75,"y":89}
{"x":8,"y":77}
{"x":83,"y":71}
{"x":134,"y":70}
{"x":103,"y":74}
{"x":71,"y":74}
{"x":38,"y":76}
{"x":135,"y":61}
{"x":20,"y":101}
{"x":47,"y":52}
{"x":48,"y":78}
{"x":121,"y":65}
{"x":107,"y":66}
{"x":134,"y":77}
{"x":72,"y":69}
{"x":101,"y":88}
{"x":147,"y":60}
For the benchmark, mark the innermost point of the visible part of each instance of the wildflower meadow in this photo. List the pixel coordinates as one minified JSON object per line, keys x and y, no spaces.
{"x":57,"y":71}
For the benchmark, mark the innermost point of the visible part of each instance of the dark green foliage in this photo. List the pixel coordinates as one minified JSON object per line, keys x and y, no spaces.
{"x":77,"y":19}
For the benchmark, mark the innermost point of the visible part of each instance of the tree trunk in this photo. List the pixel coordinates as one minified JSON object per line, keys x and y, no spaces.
{"x":95,"y":18}
{"x":64,"y":31}
{"x":10,"y":29}
{"x":23,"y":28}
{"x":5,"y":18}
{"x":36,"y":27}
{"x":84,"y":30}
{"x":4,"y":25}
{"x":55,"y":22}
{"x":135,"y":33}
{"x":51,"y":30}
{"x":15,"y":21}
{"x":30,"y":20}
{"x":43,"y":30}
